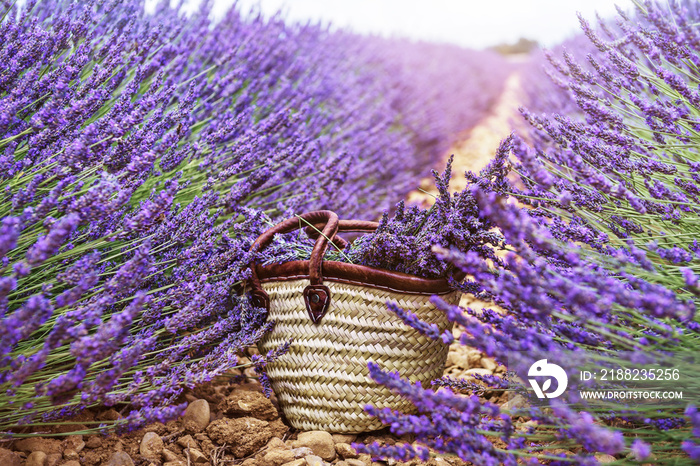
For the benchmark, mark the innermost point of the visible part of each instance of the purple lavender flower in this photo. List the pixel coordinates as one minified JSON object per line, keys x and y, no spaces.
{"x":49,"y":244}
{"x":640,"y":450}
{"x":9,"y":233}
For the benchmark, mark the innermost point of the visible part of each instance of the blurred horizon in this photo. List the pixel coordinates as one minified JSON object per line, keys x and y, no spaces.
{"x":468,"y":23}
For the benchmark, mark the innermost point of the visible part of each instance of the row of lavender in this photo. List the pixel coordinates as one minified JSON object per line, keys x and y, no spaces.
{"x":140,"y":156}
{"x":438,"y":90}
{"x":600,"y":265}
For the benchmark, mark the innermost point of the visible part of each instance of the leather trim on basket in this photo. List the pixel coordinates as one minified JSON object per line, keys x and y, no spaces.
{"x":354,"y":274}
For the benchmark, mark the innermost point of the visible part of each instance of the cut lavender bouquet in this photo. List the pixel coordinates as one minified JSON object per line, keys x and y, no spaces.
{"x":404,"y":239}
{"x":330,"y":302}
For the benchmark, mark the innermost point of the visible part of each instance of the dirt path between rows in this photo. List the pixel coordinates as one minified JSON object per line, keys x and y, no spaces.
{"x":479,"y":144}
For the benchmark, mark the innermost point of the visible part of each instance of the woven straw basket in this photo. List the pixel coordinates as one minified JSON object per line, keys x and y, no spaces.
{"x":336,"y":316}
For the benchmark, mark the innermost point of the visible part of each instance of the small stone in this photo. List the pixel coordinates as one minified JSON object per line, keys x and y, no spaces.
{"x":151,"y":445}
{"x":488,"y":363}
{"x":71,"y":463}
{"x":242,"y":403}
{"x":477,"y":371}
{"x":514,"y":403}
{"x":175,"y":463}
{"x":94,"y":441}
{"x":120,"y":458}
{"x":186,"y":441}
{"x":365,"y":458}
{"x":53,"y":459}
{"x":345,"y":450}
{"x":75,"y":442}
{"x":244,"y":435}
{"x":169,"y":455}
{"x":276,"y":443}
{"x":525,"y":426}
{"x":250,"y":462}
{"x":196,"y":456}
{"x":205,"y":443}
{"x":70,"y":454}
{"x":355,"y":462}
{"x":299,"y":462}
{"x":604,"y":458}
{"x":302,"y":452}
{"x":313,"y":460}
{"x":344,"y":438}
{"x":435,"y":462}
{"x":197,"y":416}
{"x":341,"y":463}
{"x":47,"y":445}
{"x":36,"y":458}
{"x":454,"y":359}
{"x":9,"y":458}
{"x":473,"y":357}
{"x":278,"y":457}
{"x":319,"y":441}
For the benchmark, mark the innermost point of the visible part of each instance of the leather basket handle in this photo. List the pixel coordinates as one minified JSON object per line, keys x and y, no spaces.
{"x":357,"y":226}
{"x":321,"y":225}
{"x":317,"y":296}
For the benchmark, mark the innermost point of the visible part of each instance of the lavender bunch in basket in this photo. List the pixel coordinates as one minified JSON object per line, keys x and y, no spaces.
{"x":404,"y":239}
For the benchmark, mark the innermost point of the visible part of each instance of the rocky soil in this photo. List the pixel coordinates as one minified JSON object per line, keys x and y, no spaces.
{"x":228,"y":421}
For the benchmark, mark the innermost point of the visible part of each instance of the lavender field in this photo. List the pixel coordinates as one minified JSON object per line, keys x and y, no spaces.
{"x":143,"y":151}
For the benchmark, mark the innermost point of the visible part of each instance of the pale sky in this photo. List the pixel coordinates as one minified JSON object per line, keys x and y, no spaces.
{"x":469,"y":23}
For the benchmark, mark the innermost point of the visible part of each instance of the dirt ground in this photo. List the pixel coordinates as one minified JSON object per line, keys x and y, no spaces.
{"x":229,"y":421}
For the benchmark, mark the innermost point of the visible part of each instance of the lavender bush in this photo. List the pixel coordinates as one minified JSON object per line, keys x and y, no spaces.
{"x":440,"y":90}
{"x":140,"y":156}
{"x":603,"y":257}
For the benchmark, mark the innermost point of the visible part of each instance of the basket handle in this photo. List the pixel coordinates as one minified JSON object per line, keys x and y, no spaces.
{"x":348,"y":226}
{"x":317,"y":296}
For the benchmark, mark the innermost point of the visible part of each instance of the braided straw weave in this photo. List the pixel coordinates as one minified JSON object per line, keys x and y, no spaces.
{"x":322,"y":382}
